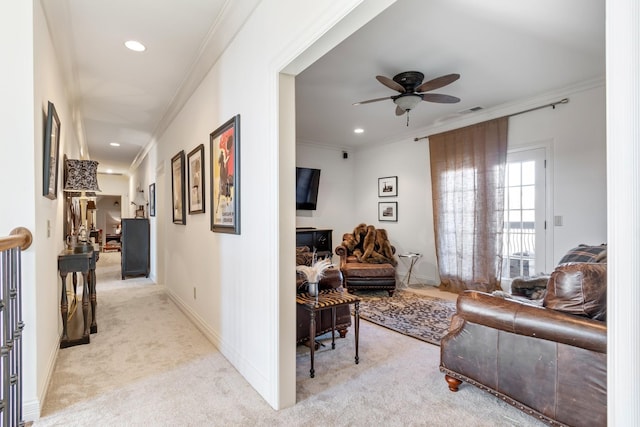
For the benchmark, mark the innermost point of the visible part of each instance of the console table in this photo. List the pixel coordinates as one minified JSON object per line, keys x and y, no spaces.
{"x":329,"y":299}
{"x":75,"y":332}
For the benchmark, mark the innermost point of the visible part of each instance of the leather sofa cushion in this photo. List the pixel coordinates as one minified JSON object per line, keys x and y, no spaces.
{"x":580,"y":289}
{"x":364,"y":270}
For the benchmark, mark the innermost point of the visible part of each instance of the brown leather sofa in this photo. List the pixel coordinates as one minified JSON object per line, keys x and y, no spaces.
{"x":548,"y":360}
{"x":332,"y":280}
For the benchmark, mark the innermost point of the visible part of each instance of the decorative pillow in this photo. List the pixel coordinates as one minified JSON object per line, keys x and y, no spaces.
{"x":585,"y":253}
{"x":579,"y":288}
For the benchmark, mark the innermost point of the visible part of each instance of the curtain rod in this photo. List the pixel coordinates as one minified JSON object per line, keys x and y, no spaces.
{"x":552,"y":105}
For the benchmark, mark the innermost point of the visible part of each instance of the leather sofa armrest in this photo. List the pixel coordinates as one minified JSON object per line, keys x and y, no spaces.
{"x":529,"y":320}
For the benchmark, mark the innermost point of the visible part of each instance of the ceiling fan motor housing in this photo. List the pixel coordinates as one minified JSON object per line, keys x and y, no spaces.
{"x":409,"y":80}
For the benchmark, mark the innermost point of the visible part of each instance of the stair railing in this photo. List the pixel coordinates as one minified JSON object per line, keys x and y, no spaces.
{"x":11,"y":325}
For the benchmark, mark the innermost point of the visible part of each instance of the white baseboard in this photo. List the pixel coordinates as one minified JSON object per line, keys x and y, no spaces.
{"x":32,"y":409}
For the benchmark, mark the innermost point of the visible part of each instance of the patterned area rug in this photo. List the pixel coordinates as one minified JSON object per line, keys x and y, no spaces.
{"x":409,"y":313}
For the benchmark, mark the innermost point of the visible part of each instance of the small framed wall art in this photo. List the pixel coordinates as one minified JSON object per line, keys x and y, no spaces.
{"x":195,"y":163}
{"x":177,"y":189}
{"x":388,"y":186}
{"x":225,"y":177}
{"x":152,"y":199}
{"x":388,"y":211}
{"x":51,"y":148}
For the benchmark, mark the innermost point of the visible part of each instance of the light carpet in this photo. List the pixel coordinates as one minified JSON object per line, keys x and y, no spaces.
{"x":418,"y":316}
{"x":149,"y":366}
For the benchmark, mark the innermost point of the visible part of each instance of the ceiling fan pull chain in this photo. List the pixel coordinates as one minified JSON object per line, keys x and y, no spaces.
{"x":407,"y":119}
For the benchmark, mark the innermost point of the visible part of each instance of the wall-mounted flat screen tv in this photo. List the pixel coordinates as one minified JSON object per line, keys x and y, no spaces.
{"x":307,"y":182}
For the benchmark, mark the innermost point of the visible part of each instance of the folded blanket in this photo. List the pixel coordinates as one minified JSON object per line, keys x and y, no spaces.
{"x":369,"y":245}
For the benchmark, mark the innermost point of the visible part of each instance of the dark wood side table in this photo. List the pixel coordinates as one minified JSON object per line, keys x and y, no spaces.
{"x":329,"y":299}
{"x":75,"y":332}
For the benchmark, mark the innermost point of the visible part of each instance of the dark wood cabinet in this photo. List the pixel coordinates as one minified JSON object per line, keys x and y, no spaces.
{"x":135,"y":247}
{"x":318,"y":240}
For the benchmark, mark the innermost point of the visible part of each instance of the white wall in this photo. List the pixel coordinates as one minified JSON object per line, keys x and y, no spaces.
{"x":17,"y":166}
{"x":576,"y":132}
{"x":413,"y":232}
{"x":240,"y":293}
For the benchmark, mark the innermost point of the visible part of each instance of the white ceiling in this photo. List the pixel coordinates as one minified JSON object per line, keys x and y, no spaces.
{"x":504,"y":50}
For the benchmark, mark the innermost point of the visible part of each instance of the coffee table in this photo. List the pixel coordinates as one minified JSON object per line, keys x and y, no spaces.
{"x":329,"y":299}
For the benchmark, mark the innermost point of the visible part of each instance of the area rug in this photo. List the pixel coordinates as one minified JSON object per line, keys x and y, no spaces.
{"x":418,"y":316}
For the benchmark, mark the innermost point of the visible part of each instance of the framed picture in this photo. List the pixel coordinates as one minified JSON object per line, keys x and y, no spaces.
{"x":388,"y":211}
{"x":177,"y":188}
{"x":225,"y":177}
{"x":388,"y":186}
{"x":195,"y":164}
{"x":51,"y":147}
{"x":152,"y":199}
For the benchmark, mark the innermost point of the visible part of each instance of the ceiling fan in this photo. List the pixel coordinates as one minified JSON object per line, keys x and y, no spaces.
{"x":412,"y":90}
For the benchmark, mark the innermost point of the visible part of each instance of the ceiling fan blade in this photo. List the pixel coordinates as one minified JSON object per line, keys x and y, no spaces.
{"x":441,"y":99}
{"x":437,"y":82}
{"x":390,"y":83}
{"x":371,"y":100}
{"x":399,"y":111}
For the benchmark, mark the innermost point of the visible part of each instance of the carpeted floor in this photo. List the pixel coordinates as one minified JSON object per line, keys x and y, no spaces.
{"x":149,"y":366}
{"x":410,"y":313}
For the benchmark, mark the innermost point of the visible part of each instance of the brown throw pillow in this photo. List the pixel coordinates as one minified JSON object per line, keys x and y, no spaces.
{"x":579,"y":288}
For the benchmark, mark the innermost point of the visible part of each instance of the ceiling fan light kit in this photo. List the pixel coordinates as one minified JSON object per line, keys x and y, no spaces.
{"x":407,"y":101}
{"x":412,"y":90}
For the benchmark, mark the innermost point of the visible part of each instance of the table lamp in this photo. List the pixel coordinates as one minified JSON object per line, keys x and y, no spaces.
{"x":82,"y":177}
{"x":139,"y":203}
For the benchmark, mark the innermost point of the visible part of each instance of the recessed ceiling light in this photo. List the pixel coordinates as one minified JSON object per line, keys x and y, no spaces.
{"x":358,"y":130}
{"x":109,"y":170}
{"x":135,"y":46}
{"x":114,"y":144}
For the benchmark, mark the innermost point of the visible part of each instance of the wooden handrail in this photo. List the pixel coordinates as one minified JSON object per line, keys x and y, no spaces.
{"x":19,"y":237}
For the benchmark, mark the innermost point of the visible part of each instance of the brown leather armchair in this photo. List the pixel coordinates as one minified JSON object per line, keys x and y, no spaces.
{"x":549,"y":361}
{"x":332,"y":280}
{"x":378,"y":271}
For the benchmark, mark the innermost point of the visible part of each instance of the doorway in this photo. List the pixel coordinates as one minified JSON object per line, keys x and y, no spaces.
{"x":524,"y":233}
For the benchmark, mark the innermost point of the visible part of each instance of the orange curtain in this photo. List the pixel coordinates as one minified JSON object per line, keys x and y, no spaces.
{"x":467,"y":180}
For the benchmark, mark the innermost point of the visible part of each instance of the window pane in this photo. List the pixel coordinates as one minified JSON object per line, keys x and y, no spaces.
{"x":515,"y":218}
{"x":529,"y":173}
{"x":529,"y":216}
{"x":528,"y":197}
{"x":514,"y":198}
{"x":513,"y":174}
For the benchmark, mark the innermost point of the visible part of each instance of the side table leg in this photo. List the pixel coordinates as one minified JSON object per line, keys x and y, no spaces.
{"x":94,"y":301}
{"x":357,"y":327}
{"x":64,"y":307}
{"x":333,"y":328}
{"x":312,"y":340}
{"x":85,"y":302}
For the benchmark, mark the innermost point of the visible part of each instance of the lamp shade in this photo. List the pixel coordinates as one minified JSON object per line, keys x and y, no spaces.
{"x":82,"y":175}
{"x":139,"y":199}
{"x":407,"y":101}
